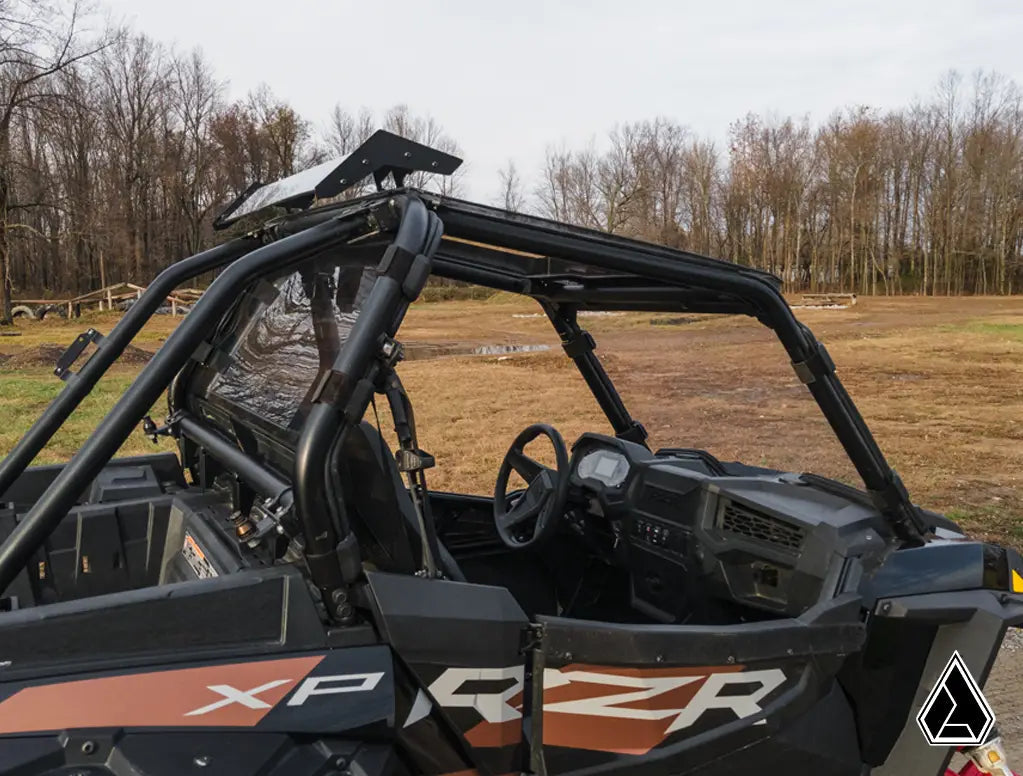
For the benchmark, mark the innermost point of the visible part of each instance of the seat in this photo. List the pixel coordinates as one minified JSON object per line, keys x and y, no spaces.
{"x":384,"y":519}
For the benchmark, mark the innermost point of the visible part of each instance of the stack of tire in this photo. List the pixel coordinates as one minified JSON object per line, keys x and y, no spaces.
{"x":38,"y":313}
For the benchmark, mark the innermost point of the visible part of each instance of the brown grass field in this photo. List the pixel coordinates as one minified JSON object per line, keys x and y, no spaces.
{"x":939,"y":381}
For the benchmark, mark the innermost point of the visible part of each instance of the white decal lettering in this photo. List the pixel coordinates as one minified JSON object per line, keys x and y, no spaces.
{"x":607,"y":705}
{"x":447,"y":691}
{"x":707,"y":697}
{"x":246,"y":698}
{"x":329,"y":685}
{"x":493,"y":706}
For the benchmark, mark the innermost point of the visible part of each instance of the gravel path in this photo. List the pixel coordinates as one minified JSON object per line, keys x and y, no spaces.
{"x":1004,"y":691}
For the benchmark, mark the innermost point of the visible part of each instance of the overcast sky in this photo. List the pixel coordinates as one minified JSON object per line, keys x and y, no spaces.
{"x":506,"y":79}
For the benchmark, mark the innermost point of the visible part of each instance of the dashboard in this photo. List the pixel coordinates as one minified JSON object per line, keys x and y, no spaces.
{"x":690,"y":529}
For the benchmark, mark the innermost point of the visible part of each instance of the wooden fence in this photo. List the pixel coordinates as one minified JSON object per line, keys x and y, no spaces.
{"x":102,"y":299}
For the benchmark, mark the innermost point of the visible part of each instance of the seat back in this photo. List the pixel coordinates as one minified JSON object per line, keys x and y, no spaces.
{"x":384,"y":519}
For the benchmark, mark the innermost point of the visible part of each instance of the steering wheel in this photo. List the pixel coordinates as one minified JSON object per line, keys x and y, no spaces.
{"x":533,"y":518}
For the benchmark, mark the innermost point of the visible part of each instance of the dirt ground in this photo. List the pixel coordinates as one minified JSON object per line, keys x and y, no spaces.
{"x":939,"y":381}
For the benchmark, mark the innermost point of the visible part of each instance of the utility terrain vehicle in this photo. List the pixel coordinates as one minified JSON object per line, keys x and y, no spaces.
{"x":287,"y":596}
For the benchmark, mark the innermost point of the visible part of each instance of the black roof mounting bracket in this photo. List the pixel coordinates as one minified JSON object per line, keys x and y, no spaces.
{"x":383,"y":154}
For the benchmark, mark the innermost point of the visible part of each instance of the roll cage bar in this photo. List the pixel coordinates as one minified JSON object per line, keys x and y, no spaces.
{"x":565,"y":268}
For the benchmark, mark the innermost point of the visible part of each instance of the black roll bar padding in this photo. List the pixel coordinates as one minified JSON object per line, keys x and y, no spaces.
{"x":252,"y":472}
{"x":112,"y":346}
{"x":317,"y":453}
{"x":831,"y":396}
{"x":145,"y":390}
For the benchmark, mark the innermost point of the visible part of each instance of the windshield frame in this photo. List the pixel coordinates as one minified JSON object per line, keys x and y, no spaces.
{"x":561,"y":264}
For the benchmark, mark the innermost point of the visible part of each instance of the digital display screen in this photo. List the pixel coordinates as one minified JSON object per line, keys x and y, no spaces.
{"x":605,"y":466}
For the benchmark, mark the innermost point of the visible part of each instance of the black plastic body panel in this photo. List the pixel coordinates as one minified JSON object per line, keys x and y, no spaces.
{"x":935,"y":568}
{"x":970,"y":622}
{"x":34,"y":481}
{"x":123,"y":483}
{"x":786,"y":668}
{"x":436,"y":621}
{"x":200,"y":523}
{"x":254,"y":612}
{"x":454,"y":637}
{"x":96,"y":549}
{"x":830,"y":629}
{"x":322,"y":713}
{"x":221,"y":753}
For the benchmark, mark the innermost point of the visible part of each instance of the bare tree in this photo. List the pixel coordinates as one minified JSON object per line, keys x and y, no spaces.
{"x":344,"y":133}
{"x":553,"y":191}
{"x":426,"y":130}
{"x":38,"y":39}
{"x":286,"y":134}
{"x":512,"y":197}
{"x":199,"y":184}
{"x":135,"y":76}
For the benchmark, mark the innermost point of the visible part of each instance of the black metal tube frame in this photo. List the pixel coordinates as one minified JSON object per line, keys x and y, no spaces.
{"x":110,"y":348}
{"x":252,"y":472}
{"x":317,"y":499}
{"x":154,"y":378}
{"x":579,"y":347}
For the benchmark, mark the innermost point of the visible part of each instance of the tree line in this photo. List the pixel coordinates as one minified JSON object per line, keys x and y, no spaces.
{"x":927,"y":199}
{"x":116,"y":153}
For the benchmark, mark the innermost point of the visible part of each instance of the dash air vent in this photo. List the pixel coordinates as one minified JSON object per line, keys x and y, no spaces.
{"x":740,"y":520}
